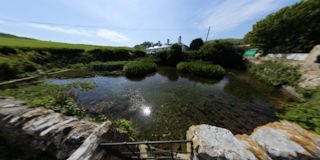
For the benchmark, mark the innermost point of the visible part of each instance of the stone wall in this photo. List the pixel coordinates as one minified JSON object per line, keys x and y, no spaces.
{"x":278,"y":140}
{"x":40,"y":131}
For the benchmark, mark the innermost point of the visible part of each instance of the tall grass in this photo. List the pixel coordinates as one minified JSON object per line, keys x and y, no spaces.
{"x":139,"y":68}
{"x":200,"y":68}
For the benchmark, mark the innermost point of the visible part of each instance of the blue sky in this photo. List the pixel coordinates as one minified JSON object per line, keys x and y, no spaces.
{"x":129,"y":22}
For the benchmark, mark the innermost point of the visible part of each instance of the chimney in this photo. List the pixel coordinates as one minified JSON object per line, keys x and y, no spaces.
{"x":168,"y":41}
{"x":179,"y":41}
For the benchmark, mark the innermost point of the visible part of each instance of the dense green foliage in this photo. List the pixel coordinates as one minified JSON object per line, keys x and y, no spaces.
{"x":106,"y":66}
{"x":139,"y":68}
{"x":143,"y":45}
{"x":21,"y":62}
{"x":204,"y":69}
{"x":291,"y":29}
{"x":305,"y":114}
{"x":196,"y":44}
{"x":172,"y":56}
{"x":222,"y":52}
{"x":276,"y":73}
{"x":126,"y":126}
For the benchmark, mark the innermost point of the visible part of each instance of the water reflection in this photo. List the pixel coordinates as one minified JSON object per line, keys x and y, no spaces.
{"x":146,"y":110}
{"x":165,"y":104}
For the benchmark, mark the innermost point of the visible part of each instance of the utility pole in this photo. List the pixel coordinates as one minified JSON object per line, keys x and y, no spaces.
{"x":208,"y":33}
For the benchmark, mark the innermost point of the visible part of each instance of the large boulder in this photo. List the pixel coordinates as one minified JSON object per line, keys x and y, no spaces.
{"x":211,"y":142}
{"x":277,"y":140}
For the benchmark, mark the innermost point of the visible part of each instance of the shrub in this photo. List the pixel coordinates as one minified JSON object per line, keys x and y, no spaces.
{"x":162,"y":56}
{"x":7,"y":50}
{"x":196,"y":44}
{"x":204,"y":69}
{"x":110,"y":54}
{"x":138,"y":53}
{"x":174,"y":55}
{"x":305,"y":114}
{"x":126,"y":126}
{"x":139,"y":68}
{"x":107,"y":66}
{"x":223,"y":53}
{"x":191,"y":55}
{"x":7,"y":72}
{"x":276,"y":74}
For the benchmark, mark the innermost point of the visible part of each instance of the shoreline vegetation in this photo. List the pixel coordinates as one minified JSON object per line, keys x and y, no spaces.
{"x":24,"y":57}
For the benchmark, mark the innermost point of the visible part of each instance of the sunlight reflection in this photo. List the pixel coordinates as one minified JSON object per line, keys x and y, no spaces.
{"x":146,"y":110}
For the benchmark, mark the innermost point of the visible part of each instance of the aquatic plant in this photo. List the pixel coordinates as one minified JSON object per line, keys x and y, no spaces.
{"x":126,"y":126}
{"x":56,"y":97}
{"x":106,"y":66}
{"x":204,"y":69}
{"x":139,"y":68}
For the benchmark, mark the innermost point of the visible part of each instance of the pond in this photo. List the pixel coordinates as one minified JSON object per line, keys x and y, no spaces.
{"x":165,"y":104}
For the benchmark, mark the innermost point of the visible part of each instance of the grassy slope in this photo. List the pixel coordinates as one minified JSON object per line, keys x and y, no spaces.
{"x":14,"y":41}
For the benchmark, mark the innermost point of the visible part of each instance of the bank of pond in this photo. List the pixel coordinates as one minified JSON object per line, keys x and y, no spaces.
{"x":160,"y":105}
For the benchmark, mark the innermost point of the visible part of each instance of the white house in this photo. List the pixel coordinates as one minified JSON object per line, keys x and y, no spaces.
{"x":161,"y":47}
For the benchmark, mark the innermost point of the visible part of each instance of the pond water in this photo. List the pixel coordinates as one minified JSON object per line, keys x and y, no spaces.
{"x":165,"y":104}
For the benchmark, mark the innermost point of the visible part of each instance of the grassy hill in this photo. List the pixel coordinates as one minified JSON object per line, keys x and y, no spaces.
{"x":8,"y":40}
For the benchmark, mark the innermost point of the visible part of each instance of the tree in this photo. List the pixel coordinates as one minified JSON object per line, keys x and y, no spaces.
{"x":174,"y":55}
{"x":291,"y":29}
{"x":222,"y":52}
{"x":143,"y":45}
{"x":196,"y":44}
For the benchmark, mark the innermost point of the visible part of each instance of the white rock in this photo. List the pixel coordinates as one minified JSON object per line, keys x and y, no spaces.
{"x":277,"y":143}
{"x":211,"y":142}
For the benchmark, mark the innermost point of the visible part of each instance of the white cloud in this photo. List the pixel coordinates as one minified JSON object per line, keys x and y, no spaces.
{"x":60,"y":29}
{"x":230,"y":14}
{"x":100,"y":33}
{"x":111,"y":35}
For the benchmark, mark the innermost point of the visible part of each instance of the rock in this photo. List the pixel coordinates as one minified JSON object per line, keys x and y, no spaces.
{"x":211,"y":142}
{"x":287,"y":140}
{"x":277,"y":140}
{"x":314,"y":53}
{"x":254,"y":147}
{"x":40,"y":131}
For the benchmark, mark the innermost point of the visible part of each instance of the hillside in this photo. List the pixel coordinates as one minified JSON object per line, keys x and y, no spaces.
{"x":8,"y":40}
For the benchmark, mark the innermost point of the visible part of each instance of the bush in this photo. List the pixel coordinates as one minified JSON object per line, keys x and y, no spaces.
{"x":107,"y":66}
{"x":7,"y":50}
{"x":223,"y":53}
{"x":174,"y":55}
{"x":305,"y":114}
{"x":204,"y":69}
{"x":191,"y":55}
{"x":138,"y":53}
{"x":162,"y":56}
{"x":139,"y":68}
{"x":110,"y":54}
{"x":7,"y":72}
{"x":276,"y":74}
{"x":196,"y":44}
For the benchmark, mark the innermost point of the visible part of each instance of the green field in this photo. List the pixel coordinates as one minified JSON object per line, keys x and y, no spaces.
{"x":8,"y":40}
